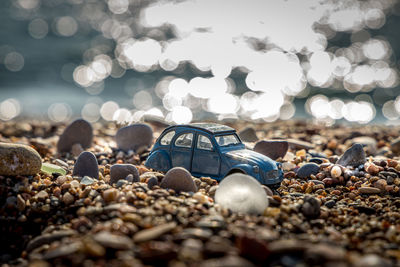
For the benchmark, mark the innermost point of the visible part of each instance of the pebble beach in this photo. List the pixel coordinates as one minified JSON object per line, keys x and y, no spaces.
{"x":80,"y":195}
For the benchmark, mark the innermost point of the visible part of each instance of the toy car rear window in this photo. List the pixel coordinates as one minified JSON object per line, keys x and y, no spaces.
{"x":227,"y":140}
{"x":166,"y":139}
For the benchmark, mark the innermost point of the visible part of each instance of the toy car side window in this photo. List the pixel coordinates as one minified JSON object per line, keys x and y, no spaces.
{"x":184,"y":140}
{"x":204,"y":143}
{"x":166,"y":140}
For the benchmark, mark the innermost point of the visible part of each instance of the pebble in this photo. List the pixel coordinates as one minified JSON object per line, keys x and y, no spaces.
{"x":86,"y":165}
{"x":336,"y":171}
{"x":78,"y":132}
{"x":114,"y":241}
{"x":241,"y":193}
{"x":42,"y":195}
{"x":134,"y":136}
{"x":48,"y":238}
{"x":354,"y":156}
{"x":267,"y":190}
{"x":248,"y":134}
{"x":68,"y":198}
{"x":295,"y":144}
{"x":154,"y":232}
{"x":17,"y":159}
{"x":121,"y":171}
{"x":178,"y":179}
{"x":307,"y":169}
{"x":272,"y":148}
{"x":110,"y":195}
{"x":369,"y":143}
{"x":330,"y":203}
{"x":86,"y":180}
{"x":395,"y":146}
{"x":369,"y":190}
{"x":310,"y":207}
{"x":153,"y":181}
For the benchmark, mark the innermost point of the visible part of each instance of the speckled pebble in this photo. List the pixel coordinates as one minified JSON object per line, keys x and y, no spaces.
{"x":307,"y":169}
{"x":17,"y":159}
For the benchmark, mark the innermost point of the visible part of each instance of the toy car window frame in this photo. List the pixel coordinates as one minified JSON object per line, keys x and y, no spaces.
{"x":169,"y":136}
{"x":223,"y":144}
{"x":178,"y":139}
{"x":199,"y":142}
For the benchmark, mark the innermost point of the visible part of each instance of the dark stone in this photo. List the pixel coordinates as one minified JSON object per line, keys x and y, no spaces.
{"x":316,"y":160}
{"x":48,"y":238}
{"x":86,"y":165}
{"x":153,"y":181}
{"x":134,"y":136}
{"x":248,"y":135}
{"x":354,"y":156}
{"x":330,"y":204}
{"x":121,"y":171}
{"x":273,"y":149}
{"x":395,"y":146}
{"x":307,"y":169}
{"x":78,"y":132}
{"x":365,"y":209}
{"x":178,"y":179}
{"x":311,"y":207}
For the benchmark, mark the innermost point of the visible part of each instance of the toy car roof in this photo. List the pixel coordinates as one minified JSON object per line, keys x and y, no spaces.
{"x":212,"y":128}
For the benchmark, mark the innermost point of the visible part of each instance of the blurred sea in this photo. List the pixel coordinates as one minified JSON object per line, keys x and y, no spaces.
{"x":46,"y":76}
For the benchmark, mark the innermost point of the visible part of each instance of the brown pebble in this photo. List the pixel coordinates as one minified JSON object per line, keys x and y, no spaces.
{"x":68,"y":198}
{"x":110,"y":195}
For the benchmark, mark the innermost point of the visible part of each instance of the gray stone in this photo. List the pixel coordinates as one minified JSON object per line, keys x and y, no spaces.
{"x":241,"y":193}
{"x":153,"y":181}
{"x":178,"y":179}
{"x":17,"y":159}
{"x":121,"y":171}
{"x":134,"y":136}
{"x":395,"y":146}
{"x":307,"y":169}
{"x":369,"y":190}
{"x":48,"y":238}
{"x":330,"y":204}
{"x":78,"y":132}
{"x":295,"y":144}
{"x":369,"y":143}
{"x":86,"y":165}
{"x":273,"y":148}
{"x":311,"y":207}
{"x":354,"y":156}
{"x":248,"y":134}
{"x":121,"y":183}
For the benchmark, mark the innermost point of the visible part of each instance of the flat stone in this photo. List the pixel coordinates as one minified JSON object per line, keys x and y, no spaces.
{"x":86,"y":165}
{"x":241,"y":193}
{"x":354,"y":156}
{"x":78,"y":132}
{"x":307,"y":169}
{"x":248,"y":135}
{"x":63,"y":251}
{"x":121,"y":171}
{"x":134,"y":136}
{"x":330,"y":203}
{"x":48,"y":238}
{"x":295,"y":144}
{"x":178,"y":179}
{"x":17,"y":159}
{"x":154,"y":232}
{"x":272,"y":148}
{"x":369,"y":190}
{"x":109,"y":240}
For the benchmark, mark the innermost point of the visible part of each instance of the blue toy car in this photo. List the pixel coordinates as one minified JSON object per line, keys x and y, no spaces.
{"x":210,"y":149}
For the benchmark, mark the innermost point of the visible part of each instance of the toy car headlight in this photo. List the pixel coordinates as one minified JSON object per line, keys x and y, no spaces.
{"x":256,"y":169}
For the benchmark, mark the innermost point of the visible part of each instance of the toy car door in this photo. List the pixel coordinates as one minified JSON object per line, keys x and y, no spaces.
{"x":206,"y":160}
{"x":181,"y":151}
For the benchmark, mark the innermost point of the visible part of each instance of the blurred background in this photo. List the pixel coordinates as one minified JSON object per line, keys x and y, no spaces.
{"x":182,"y":61}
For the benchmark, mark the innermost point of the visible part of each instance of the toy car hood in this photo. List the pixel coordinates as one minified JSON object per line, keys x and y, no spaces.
{"x":249,"y":156}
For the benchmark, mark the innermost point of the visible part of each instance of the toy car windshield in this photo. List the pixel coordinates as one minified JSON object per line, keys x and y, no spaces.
{"x":227,"y":140}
